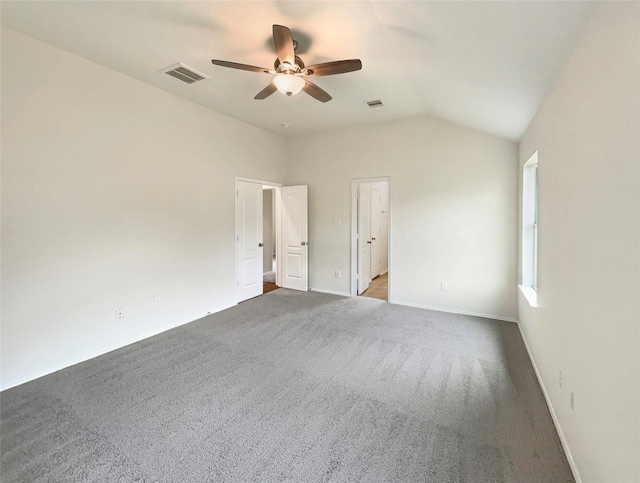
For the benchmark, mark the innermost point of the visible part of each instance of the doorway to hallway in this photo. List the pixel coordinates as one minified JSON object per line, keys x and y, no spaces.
{"x":255,"y":242}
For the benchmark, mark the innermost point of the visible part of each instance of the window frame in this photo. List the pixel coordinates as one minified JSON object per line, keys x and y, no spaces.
{"x":530,"y":229}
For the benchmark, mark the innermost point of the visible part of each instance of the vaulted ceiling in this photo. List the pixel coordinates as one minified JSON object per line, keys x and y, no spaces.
{"x":485,"y":65}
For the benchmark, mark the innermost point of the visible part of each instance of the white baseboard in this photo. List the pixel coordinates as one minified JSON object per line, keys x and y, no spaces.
{"x":556,"y":422}
{"x":100,"y":352}
{"x":454,"y":311}
{"x":332,"y":292}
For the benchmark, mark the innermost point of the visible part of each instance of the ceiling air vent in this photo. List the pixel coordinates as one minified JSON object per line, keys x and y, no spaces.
{"x":184,"y":73}
{"x":376,"y":103}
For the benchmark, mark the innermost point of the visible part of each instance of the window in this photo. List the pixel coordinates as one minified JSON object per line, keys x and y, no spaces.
{"x":529,"y":285}
{"x":534,"y":261}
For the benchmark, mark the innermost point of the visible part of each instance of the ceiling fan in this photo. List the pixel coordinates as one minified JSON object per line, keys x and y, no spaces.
{"x":289,"y":70}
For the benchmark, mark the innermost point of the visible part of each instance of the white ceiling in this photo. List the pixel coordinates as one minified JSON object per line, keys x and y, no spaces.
{"x":485,"y":65}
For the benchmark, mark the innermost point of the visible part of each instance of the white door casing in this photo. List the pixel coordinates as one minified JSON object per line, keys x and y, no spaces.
{"x":248,"y":240}
{"x":295,"y":243}
{"x":364,"y":237}
{"x":376,"y":254}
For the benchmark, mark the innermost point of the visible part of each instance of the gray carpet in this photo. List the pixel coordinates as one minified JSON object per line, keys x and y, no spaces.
{"x":293,"y":387}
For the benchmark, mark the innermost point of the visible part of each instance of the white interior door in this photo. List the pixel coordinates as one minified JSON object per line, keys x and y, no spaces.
{"x":376,"y":253}
{"x":248,"y":240}
{"x":384,"y":241}
{"x":364,"y":237}
{"x":295,"y":251}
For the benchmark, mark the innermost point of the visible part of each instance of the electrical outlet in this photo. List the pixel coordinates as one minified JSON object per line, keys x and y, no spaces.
{"x":157,"y":303}
{"x":444,"y":286}
{"x":560,"y":378}
{"x":572,"y":401}
{"x":119,"y":313}
{"x":338,"y":274}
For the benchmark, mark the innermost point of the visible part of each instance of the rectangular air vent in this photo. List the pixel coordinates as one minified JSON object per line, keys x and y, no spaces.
{"x":376,"y":103}
{"x":184,"y":73}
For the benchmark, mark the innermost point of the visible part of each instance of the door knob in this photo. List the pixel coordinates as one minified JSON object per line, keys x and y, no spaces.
{"x":369,"y":242}
{"x":260,"y":245}
{"x":303,"y":243}
{"x":373,"y":238}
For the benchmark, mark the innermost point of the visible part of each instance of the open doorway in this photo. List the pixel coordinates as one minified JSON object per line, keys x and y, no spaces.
{"x":270,"y":265}
{"x":285,"y":233}
{"x":370,"y":237}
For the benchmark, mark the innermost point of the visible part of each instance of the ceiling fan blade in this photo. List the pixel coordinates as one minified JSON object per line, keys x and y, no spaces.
{"x":336,"y":67}
{"x":235,"y":65}
{"x":284,"y":44}
{"x":315,"y":92}
{"x":266,"y":92}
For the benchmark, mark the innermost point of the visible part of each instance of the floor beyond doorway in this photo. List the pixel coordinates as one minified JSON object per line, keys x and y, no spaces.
{"x":378,"y":288}
{"x":269,"y":287}
{"x":269,"y":279}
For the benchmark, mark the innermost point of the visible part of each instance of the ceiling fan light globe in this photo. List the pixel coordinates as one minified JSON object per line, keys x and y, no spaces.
{"x":288,"y":84}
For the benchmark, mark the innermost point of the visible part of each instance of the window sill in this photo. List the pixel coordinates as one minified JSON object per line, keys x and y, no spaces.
{"x":530,"y":294}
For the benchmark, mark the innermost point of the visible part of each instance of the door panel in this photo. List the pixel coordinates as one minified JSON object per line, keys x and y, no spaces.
{"x":364,"y":237}
{"x":249,"y":272}
{"x":248,"y":240}
{"x":294,"y":238}
{"x":294,"y":266}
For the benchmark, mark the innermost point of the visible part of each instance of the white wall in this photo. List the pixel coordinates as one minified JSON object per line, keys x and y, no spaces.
{"x":587,"y":133}
{"x":114,"y":194}
{"x":453,"y":210}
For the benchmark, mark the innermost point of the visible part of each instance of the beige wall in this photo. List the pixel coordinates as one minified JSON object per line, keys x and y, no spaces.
{"x":114,"y":194}
{"x":453,"y":210}
{"x":587,"y":134}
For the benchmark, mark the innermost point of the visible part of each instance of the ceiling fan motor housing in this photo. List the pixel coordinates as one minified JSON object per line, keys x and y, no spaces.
{"x":286,"y":67}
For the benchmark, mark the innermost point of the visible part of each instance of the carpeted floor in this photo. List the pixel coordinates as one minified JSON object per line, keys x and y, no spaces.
{"x":293,"y":387}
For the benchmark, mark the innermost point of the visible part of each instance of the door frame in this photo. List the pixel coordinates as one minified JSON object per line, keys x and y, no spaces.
{"x":355,"y":184}
{"x":277,"y":200}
